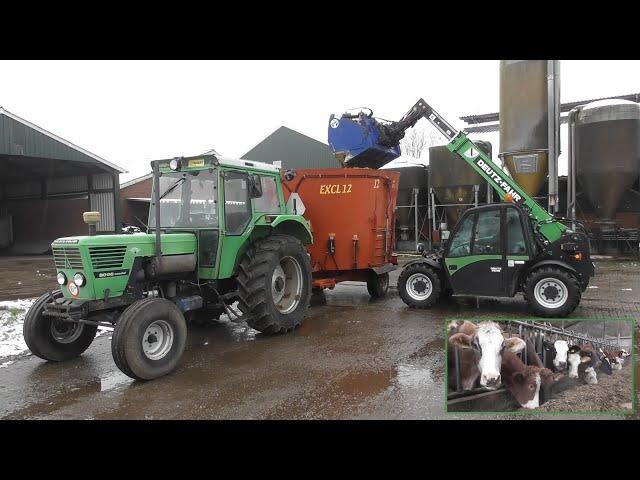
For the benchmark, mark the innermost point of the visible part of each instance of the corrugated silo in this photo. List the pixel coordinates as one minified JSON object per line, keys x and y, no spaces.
{"x":524,"y":120}
{"x":412,"y":175}
{"x":606,"y":150}
{"x":453,"y":180}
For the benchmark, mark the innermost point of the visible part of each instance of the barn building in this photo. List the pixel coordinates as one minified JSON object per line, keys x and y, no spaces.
{"x":46,"y":183}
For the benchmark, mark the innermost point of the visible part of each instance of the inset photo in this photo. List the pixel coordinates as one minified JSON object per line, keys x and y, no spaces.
{"x":569,"y":366}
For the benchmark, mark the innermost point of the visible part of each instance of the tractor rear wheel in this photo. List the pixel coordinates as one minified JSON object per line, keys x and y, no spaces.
{"x":54,"y":339}
{"x":419,"y":285}
{"x":274,"y":284}
{"x":552,"y":292}
{"x":149,"y":338}
{"x":377,"y":285}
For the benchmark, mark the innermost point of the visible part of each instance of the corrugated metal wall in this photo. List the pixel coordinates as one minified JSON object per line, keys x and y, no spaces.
{"x":24,"y":190}
{"x":104,"y":203}
{"x":67,"y":184}
{"x":102,"y":181}
{"x":18,"y":139}
{"x":294,"y":150}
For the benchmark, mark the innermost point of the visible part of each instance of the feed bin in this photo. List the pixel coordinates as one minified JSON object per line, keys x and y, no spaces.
{"x":453,"y":182}
{"x":524,"y":121}
{"x":352,"y":216}
{"x":607,"y":152}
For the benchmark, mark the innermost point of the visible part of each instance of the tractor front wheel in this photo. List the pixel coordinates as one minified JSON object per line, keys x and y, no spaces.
{"x":54,"y":339}
{"x":274,"y":284}
{"x":149,"y":338}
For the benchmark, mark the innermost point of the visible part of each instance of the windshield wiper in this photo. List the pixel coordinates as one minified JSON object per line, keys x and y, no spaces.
{"x":173,"y":187}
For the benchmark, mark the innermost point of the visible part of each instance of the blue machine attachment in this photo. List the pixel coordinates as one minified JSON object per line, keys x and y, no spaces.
{"x":355,"y":140}
{"x":359,"y":140}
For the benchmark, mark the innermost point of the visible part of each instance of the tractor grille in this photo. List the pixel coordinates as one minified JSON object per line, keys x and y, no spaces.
{"x":107,"y":257}
{"x":67,"y":257}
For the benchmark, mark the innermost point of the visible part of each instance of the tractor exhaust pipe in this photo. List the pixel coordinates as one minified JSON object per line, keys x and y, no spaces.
{"x":92,"y":219}
{"x":156,"y":204}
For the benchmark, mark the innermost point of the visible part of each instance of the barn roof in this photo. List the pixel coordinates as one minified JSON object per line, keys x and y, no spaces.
{"x":23,"y":140}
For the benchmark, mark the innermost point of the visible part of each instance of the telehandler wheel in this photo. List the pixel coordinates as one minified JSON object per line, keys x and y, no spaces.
{"x":377,"y":285}
{"x":149,"y":338}
{"x":552,"y":292}
{"x":419,"y":285}
{"x":274,"y":284}
{"x":54,"y":339}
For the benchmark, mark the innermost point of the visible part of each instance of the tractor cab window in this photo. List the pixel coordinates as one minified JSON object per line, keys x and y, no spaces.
{"x":486,"y":238}
{"x":187,"y":200}
{"x":460,"y":244}
{"x":237,"y":202}
{"x":268,"y":202}
{"x":515,"y":235}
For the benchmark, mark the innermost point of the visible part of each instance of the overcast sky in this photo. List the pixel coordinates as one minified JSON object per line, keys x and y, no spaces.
{"x":131,"y":112}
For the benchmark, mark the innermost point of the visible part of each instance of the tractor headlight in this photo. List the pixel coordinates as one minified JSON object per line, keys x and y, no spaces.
{"x":79,"y":279}
{"x":61,"y":278}
{"x":174,"y":164}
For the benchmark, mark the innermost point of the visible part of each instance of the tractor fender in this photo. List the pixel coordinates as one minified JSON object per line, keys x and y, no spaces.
{"x":293,"y":225}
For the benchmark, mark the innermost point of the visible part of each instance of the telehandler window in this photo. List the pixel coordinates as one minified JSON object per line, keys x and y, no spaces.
{"x":486,"y":239}
{"x":515,"y":235}
{"x":461,"y":242}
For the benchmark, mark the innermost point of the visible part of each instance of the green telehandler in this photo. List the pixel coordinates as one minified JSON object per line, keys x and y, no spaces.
{"x":495,"y":250}
{"x":219,"y":232}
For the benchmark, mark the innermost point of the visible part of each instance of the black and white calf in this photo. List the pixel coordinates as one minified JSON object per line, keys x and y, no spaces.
{"x":583,"y":363}
{"x":555,"y":355}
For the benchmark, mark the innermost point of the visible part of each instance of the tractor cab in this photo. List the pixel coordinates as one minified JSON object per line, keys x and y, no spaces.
{"x":218,"y":200}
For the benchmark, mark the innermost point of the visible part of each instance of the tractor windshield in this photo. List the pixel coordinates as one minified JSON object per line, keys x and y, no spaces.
{"x":187,"y":200}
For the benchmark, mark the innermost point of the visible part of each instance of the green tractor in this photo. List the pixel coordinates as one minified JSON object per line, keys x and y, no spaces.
{"x":219,"y":232}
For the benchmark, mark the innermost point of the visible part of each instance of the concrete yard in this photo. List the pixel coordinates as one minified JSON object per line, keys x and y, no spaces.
{"x":353,"y":358}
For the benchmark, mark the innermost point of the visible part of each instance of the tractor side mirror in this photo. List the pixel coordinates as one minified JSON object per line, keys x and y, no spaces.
{"x":420,"y":248}
{"x":255,"y":186}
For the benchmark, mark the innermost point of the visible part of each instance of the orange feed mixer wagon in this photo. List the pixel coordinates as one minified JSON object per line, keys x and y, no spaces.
{"x":352,"y":217}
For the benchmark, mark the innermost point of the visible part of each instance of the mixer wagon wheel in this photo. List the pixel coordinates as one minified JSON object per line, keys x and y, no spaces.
{"x":552,"y":292}
{"x":274,"y":284}
{"x":419,"y":285}
{"x":377,"y":285}
{"x":54,"y":339}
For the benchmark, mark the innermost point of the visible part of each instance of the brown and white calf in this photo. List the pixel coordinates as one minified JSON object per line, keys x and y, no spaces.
{"x":480,"y":350}
{"x":525,"y":381}
{"x":615,"y":357}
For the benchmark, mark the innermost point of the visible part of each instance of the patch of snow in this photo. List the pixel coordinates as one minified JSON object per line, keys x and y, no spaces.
{"x":6,"y":364}
{"x":12,"y":314}
{"x":592,"y":286}
{"x":626,"y":289}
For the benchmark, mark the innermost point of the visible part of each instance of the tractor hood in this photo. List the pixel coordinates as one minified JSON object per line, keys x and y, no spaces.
{"x":106,"y":260}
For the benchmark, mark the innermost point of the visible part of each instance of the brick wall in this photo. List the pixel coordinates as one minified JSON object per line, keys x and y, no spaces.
{"x":129,"y":209}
